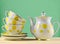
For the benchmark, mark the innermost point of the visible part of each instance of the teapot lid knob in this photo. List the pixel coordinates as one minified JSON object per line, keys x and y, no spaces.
{"x":43,"y":13}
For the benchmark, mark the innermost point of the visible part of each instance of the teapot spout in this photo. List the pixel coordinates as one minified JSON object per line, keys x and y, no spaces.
{"x":31,"y":23}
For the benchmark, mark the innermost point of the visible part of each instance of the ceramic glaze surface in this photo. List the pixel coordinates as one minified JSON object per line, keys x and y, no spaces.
{"x":43,"y":29}
{"x":13,"y":24}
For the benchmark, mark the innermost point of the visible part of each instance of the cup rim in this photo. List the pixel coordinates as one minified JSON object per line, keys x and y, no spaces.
{"x":12,"y":24}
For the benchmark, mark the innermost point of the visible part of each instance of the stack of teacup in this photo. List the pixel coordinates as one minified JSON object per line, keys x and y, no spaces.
{"x":13,"y":24}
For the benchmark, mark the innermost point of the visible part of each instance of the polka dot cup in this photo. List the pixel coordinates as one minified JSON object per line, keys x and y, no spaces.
{"x":13,"y":15}
{"x":8,"y":21}
{"x":13,"y":29}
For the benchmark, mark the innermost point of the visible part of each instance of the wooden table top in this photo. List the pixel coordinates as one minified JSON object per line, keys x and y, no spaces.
{"x":30,"y":40}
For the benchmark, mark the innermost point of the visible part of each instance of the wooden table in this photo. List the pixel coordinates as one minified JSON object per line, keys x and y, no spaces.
{"x":31,"y":40}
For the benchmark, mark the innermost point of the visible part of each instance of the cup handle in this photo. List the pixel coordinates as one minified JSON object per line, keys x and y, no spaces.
{"x":57,"y":27}
{"x":3,"y":28}
{"x":4,"y":21}
{"x":6,"y":13}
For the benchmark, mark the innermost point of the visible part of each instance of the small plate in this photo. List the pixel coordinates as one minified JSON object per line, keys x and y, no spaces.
{"x":14,"y":37}
{"x":20,"y":35}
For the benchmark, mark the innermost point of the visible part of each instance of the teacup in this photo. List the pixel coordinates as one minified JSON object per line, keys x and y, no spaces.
{"x":13,"y":29}
{"x":12,"y":15}
{"x":8,"y":20}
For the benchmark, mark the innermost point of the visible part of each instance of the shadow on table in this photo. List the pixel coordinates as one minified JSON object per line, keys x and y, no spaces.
{"x":20,"y":39}
{"x":25,"y":39}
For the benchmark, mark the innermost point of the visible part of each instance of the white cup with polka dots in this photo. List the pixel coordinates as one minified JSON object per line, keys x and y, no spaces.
{"x":13,"y":29}
{"x":12,"y":15}
{"x":12,"y":18}
{"x":8,"y":21}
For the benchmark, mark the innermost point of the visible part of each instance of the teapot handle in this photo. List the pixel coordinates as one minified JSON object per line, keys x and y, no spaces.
{"x":57,"y":27}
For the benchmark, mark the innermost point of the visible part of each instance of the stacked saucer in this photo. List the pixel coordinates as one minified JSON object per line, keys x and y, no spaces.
{"x":21,"y":36}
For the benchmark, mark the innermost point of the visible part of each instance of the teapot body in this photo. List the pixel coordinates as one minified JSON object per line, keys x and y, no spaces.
{"x":43,"y":30}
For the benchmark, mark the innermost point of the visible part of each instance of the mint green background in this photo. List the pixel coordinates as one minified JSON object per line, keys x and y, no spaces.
{"x":31,"y":8}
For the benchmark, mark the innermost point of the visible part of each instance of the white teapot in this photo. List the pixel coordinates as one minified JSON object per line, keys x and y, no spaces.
{"x":43,"y":28}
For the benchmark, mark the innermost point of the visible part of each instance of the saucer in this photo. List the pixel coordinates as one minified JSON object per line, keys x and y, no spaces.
{"x":14,"y":37}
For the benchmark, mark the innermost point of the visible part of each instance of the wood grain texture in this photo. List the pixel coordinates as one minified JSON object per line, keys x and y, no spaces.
{"x":30,"y":40}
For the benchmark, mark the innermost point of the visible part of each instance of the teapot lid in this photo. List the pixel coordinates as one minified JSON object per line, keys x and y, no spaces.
{"x":43,"y":13}
{"x":43,"y":16}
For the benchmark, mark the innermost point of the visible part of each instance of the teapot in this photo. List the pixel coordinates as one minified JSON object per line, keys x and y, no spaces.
{"x":43,"y":28}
